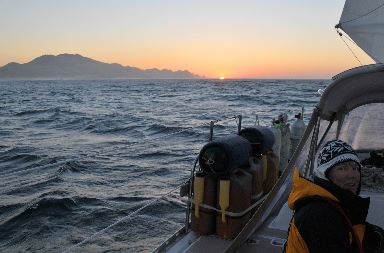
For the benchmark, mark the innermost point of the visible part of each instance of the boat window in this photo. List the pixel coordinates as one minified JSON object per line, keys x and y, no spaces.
{"x":363,"y":128}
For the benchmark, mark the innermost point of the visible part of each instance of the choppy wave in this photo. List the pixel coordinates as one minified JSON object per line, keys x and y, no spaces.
{"x":50,"y":206}
{"x":76,"y":156}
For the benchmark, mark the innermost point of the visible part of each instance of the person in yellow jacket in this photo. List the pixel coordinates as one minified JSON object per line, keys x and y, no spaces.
{"x":329,"y":215}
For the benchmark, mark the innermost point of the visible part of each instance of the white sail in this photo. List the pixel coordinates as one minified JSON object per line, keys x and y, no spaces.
{"x":363,"y":21}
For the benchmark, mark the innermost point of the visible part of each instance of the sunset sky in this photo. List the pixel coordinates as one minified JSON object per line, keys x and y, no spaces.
{"x":211,"y":38}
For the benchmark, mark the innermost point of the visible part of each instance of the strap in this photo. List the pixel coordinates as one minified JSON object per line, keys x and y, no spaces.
{"x":232,"y":214}
{"x":348,"y":221}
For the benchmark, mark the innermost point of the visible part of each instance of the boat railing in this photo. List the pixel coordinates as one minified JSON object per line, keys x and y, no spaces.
{"x":186,"y":182}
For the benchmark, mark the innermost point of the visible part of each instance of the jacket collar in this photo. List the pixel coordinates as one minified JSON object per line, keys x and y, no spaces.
{"x":302,"y":188}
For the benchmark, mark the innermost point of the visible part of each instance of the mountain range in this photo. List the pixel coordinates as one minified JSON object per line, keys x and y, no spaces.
{"x":75,"y":66}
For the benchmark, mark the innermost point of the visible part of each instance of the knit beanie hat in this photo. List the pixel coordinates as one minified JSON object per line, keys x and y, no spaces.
{"x":334,"y":152}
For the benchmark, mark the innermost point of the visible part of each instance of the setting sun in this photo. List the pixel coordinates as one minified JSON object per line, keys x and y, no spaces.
{"x":222,"y":77}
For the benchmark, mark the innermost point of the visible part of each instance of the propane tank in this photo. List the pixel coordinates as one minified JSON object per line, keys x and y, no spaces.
{"x":297,"y":131}
{"x":276,"y":129}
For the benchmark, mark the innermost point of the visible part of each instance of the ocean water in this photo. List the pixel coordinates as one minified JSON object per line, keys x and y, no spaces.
{"x":78,"y":156}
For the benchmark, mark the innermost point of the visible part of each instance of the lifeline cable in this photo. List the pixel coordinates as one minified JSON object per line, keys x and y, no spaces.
{"x":120,"y":220}
{"x":149,"y":203}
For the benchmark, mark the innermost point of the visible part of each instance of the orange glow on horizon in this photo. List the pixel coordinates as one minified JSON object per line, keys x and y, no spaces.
{"x":210,"y":60}
{"x":233,"y":42}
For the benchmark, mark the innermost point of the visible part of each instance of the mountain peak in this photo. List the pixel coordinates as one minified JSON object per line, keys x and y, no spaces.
{"x":76,"y":66}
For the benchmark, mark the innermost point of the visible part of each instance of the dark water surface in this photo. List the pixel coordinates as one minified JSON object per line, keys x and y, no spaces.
{"x":77,"y":156}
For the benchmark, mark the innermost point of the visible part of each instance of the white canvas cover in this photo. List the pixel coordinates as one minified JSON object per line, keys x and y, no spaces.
{"x":363,"y":21}
{"x":352,"y":88}
{"x":362,"y":128}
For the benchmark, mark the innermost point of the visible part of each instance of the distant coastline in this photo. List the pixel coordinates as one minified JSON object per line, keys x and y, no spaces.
{"x":78,"y":67}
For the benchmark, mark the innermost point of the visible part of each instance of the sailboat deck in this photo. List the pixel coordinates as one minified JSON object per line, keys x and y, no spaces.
{"x":270,"y":237}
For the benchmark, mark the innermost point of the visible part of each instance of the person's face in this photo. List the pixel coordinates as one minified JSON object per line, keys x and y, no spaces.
{"x":346,"y":175}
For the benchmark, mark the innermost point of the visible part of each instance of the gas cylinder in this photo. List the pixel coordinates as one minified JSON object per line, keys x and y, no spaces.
{"x":297,"y":131}
{"x":204,"y":192}
{"x":285,"y":148}
{"x":239,"y":199}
